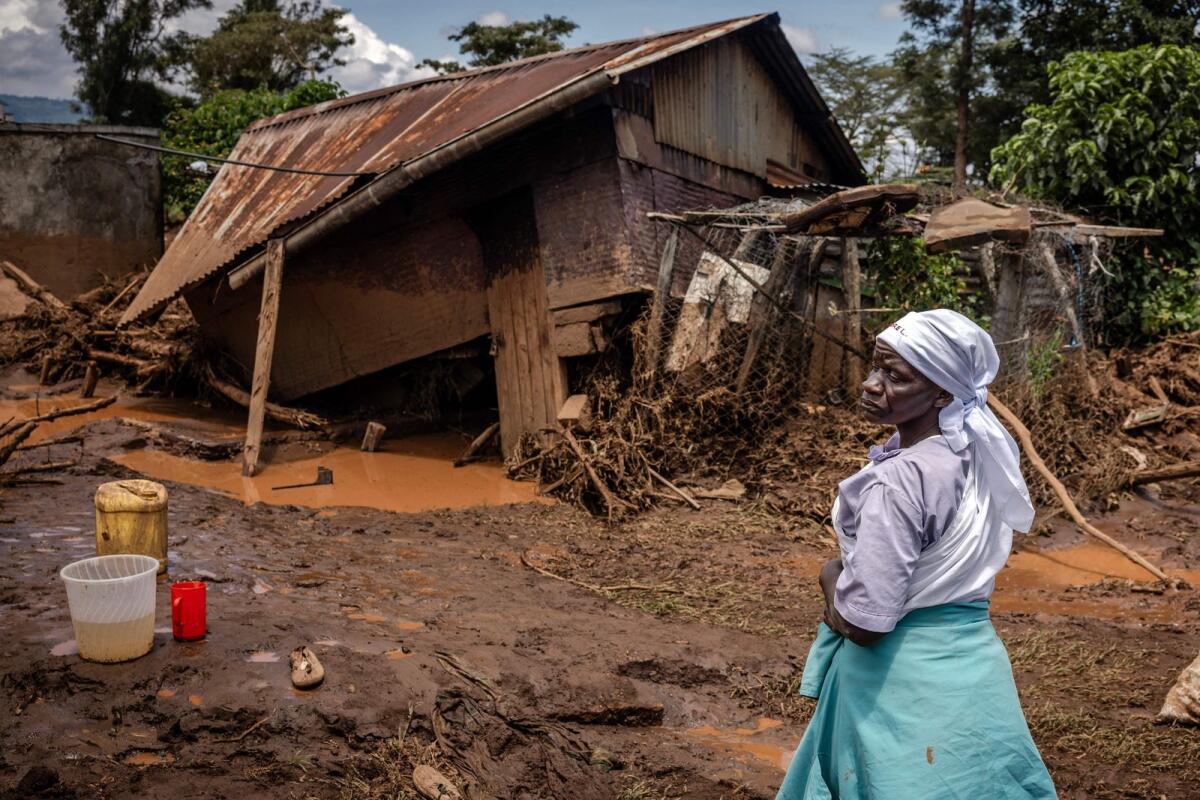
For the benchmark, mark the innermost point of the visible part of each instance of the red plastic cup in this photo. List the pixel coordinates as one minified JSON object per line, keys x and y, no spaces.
{"x":188,"y":610}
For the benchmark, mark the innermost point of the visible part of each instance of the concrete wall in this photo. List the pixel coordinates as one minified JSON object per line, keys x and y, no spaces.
{"x":74,"y":207}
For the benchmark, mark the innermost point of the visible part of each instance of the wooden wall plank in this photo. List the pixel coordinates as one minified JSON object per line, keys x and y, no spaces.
{"x":267,"y":318}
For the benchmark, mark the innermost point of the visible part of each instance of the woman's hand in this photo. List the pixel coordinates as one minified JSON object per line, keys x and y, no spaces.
{"x":828,"y":580}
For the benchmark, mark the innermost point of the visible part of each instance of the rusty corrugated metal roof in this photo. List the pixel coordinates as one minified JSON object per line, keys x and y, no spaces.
{"x":374,"y":132}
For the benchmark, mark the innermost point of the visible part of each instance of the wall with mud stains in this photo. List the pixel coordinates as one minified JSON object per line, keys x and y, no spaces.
{"x":75,"y":207}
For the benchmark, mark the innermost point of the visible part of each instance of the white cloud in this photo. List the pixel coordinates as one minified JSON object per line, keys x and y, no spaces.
{"x":494,"y":18}
{"x":372,"y":63}
{"x":35,"y":61}
{"x":802,"y":40}
{"x":890,"y":11}
{"x":648,"y":31}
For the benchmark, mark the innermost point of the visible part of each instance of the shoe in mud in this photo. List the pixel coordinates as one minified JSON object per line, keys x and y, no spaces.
{"x":433,"y":784}
{"x":307,"y":672}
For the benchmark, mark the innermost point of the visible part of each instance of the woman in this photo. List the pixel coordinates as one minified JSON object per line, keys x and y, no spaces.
{"x":916,"y":699}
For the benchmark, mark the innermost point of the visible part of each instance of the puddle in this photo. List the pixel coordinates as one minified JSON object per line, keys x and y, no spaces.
{"x":744,"y":741}
{"x":409,"y":625}
{"x":360,"y":617}
{"x":65,"y":649}
{"x":413,"y":474}
{"x":196,"y":700}
{"x":263,"y":657}
{"x":167,"y":693}
{"x":149,"y":759}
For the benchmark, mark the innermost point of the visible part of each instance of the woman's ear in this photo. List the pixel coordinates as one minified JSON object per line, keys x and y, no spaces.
{"x":943,"y":399}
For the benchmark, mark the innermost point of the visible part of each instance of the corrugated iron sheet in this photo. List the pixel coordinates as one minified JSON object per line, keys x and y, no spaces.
{"x":373,"y":133}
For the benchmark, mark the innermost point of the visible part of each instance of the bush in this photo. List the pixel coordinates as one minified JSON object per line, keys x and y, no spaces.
{"x":1120,"y":139}
{"x":213,"y":128}
{"x":906,"y":278}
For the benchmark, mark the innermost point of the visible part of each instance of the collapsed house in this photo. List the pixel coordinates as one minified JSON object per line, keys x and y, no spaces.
{"x":504,"y":205}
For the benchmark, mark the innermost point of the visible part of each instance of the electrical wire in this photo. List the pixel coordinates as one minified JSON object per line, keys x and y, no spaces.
{"x":235,"y":162}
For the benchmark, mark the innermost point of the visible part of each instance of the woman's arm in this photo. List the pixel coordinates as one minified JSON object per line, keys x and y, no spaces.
{"x":828,"y":580}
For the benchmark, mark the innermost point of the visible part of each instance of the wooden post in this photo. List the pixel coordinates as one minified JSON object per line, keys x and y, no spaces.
{"x":1008,"y":321}
{"x":90,"y":377}
{"x":47,"y":364}
{"x":762,"y":312}
{"x":852,"y":293}
{"x":268,"y":316}
{"x":662,"y":293}
{"x":371,"y":438}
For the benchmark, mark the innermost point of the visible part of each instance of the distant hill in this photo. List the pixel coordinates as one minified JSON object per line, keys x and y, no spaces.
{"x":41,"y":109}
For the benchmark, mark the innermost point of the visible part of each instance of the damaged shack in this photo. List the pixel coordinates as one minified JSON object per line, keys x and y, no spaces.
{"x":498,"y":208}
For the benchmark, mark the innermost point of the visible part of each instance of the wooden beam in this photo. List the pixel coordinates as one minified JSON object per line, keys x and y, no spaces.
{"x":588,"y":313}
{"x":852,"y":294}
{"x":662,"y":293}
{"x":268,"y":316}
{"x":1008,"y":320}
{"x":29,"y":286}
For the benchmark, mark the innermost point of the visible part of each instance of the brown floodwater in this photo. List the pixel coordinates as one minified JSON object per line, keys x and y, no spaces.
{"x":414,"y":473}
{"x":737,"y":741}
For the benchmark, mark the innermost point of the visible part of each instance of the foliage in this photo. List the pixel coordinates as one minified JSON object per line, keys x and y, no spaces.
{"x":1121,"y":140}
{"x":265,"y":44}
{"x":1015,"y":42}
{"x":1042,"y":361}
{"x":213,"y":127}
{"x":121,"y":46}
{"x":906,"y":278}
{"x":864,"y":94}
{"x":489,"y":45}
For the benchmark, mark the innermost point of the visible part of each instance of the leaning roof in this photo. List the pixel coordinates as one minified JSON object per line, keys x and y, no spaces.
{"x":376,"y":132}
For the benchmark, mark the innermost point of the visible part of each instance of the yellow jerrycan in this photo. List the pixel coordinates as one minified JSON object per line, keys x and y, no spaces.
{"x":131,"y":517}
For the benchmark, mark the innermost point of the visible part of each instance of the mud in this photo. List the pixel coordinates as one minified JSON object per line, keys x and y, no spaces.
{"x":432,"y":628}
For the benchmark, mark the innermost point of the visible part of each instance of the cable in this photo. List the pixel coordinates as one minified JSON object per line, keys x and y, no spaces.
{"x":203,"y":157}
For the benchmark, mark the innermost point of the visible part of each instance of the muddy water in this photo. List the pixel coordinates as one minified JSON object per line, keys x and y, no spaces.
{"x":411,"y":474}
{"x":747,"y":741}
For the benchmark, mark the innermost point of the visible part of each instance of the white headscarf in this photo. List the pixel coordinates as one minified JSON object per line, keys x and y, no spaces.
{"x":958,"y":356}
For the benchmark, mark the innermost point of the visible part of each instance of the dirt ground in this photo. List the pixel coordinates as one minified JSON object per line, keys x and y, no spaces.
{"x":529,"y":650}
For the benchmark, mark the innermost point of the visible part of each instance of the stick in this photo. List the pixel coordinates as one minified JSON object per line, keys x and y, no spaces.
{"x":90,"y":378}
{"x":61,"y":412}
{"x":1065,"y":497}
{"x":121,"y":294}
{"x":120,"y":360}
{"x":70,"y":438}
{"x":619,"y":587}
{"x":29,"y":285}
{"x":687,"y":498}
{"x":264,"y":353}
{"x":21,"y":435}
{"x":1188,"y":469}
{"x":251,"y":729}
{"x":610,"y":500}
{"x":51,"y":466}
{"x":477,"y":444}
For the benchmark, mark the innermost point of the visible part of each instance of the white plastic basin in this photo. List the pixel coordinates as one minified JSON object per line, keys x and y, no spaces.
{"x":112,"y":605}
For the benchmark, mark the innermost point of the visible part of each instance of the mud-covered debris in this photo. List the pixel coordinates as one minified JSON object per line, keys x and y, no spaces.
{"x":307,"y":672}
{"x":1183,"y":701}
{"x":433,"y":784}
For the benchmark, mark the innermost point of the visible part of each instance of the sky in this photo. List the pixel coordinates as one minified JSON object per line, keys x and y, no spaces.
{"x":393,"y":36}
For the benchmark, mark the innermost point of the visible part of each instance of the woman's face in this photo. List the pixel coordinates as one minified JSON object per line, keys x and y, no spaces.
{"x":894,"y":393}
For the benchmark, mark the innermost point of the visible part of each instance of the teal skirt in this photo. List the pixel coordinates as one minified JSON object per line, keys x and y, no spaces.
{"x":928,"y":712}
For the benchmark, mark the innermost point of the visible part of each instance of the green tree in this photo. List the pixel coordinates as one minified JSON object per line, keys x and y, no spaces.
{"x":1120,"y":139}
{"x":489,"y":45}
{"x":944,"y":59}
{"x":213,"y":128}
{"x":864,"y":94}
{"x":265,"y":44}
{"x":121,"y":48}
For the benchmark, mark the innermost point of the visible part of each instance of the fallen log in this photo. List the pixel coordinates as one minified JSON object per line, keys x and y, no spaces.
{"x":288,"y":416}
{"x":1063,"y":495}
{"x":1188,"y":469}
{"x":29,"y":286}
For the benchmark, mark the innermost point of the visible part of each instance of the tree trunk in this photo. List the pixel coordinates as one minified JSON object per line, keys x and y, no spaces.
{"x":963,"y":95}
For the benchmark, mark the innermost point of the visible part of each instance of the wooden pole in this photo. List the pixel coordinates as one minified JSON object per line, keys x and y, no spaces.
{"x":1008,"y":319}
{"x":372,"y":436}
{"x":90,"y":378}
{"x":783,"y":274}
{"x":662,"y":293}
{"x":852,"y":293}
{"x":1187,"y":469}
{"x":1063,"y":495}
{"x":268,"y":316}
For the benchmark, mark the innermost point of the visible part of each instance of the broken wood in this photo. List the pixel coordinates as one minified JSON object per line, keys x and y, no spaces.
{"x":474,"y":451}
{"x":687,"y":498}
{"x":70,"y":438}
{"x":29,"y":286}
{"x":22,"y":433}
{"x":662,"y":293}
{"x":372,"y":436}
{"x":91,"y":377}
{"x":1063,"y":495}
{"x":611,"y":501}
{"x":59,"y":412}
{"x":121,"y":360}
{"x":1187,"y":469}
{"x":588,"y":313}
{"x":576,"y":412}
{"x":1008,"y":319}
{"x":783,"y":274}
{"x":44,"y":375}
{"x":732,"y":490}
{"x":264,"y":352}
{"x":292,"y":417}
{"x":136,"y":280}
{"x":853,"y":210}
{"x":52,"y":466}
